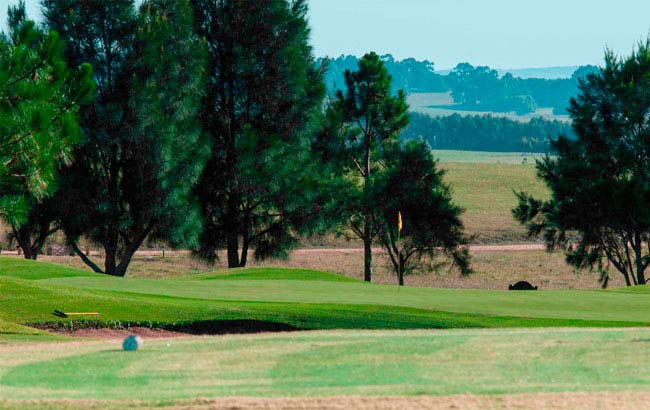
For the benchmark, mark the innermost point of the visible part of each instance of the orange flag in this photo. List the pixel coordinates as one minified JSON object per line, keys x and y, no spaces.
{"x":399,"y":221}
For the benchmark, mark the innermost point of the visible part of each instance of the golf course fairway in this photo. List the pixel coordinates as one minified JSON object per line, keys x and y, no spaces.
{"x":331,"y":363}
{"x":461,"y":341}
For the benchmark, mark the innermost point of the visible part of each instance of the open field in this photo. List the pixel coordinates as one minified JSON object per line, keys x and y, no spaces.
{"x":442,"y":104}
{"x":485,"y":157}
{"x":485,"y":190}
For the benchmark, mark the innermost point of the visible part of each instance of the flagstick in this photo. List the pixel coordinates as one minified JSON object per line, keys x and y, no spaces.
{"x":399,"y":251}
{"x":399,"y":261}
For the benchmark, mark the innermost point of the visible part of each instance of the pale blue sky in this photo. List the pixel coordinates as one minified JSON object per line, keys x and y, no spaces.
{"x":498,"y":33}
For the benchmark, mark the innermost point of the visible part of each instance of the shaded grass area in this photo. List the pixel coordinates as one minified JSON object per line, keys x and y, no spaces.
{"x":333,"y":363}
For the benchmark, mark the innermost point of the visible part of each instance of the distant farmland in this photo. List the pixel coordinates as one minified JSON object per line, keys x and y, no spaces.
{"x":441,"y":104}
{"x":483,"y":184}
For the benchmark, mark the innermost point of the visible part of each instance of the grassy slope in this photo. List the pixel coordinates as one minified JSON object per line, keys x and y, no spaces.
{"x":333,"y":363}
{"x":276,"y":295}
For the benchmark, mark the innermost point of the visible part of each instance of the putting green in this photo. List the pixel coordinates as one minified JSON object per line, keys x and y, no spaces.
{"x":333,"y":363}
{"x":567,"y":304}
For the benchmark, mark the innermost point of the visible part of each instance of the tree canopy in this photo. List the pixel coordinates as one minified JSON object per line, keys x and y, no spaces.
{"x":414,"y":213}
{"x":143,"y":150}
{"x":485,"y":132}
{"x":478,"y":88}
{"x":363,"y":123}
{"x":264,"y":97}
{"x":39,"y":108}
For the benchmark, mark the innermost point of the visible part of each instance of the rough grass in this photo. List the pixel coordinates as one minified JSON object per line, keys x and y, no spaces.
{"x":485,"y":191}
{"x":333,"y":363}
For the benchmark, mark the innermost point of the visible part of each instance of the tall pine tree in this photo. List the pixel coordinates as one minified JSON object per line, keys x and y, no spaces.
{"x":264,"y":96}
{"x":362,"y":125}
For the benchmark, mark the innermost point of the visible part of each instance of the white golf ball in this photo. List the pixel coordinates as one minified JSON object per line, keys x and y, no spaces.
{"x":133,"y":342}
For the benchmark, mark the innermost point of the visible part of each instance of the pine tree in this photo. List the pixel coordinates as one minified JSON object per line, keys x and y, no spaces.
{"x":39,"y":104}
{"x":143,"y":152}
{"x":599,"y":209}
{"x":362,"y":125}
{"x":263,"y":99}
{"x":412,"y":189}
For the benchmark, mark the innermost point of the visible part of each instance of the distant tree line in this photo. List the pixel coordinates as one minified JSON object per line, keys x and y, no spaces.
{"x":472,"y":88}
{"x":481,"y":89}
{"x":485,"y":132}
{"x":409,"y":74}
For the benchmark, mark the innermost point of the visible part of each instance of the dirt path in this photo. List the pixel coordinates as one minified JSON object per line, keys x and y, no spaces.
{"x":472,"y":248}
{"x":536,"y":401}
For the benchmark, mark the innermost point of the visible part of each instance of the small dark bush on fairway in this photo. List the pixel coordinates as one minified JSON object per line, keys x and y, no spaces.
{"x":522,"y":285}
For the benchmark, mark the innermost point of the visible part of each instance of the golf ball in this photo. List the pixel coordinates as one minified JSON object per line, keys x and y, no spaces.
{"x":133,"y":342}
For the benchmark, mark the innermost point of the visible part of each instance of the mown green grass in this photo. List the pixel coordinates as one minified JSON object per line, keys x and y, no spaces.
{"x":559,"y":357}
{"x":273,"y":274}
{"x":281,"y":296}
{"x":333,"y":363}
{"x":559,"y":304}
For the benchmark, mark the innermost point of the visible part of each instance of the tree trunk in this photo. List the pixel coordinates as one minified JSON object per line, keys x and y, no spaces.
{"x":232,"y":243}
{"x":401,"y":271}
{"x":640,"y":269}
{"x":25,"y":242}
{"x":367,"y":233}
{"x":367,"y":256}
{"x":110,"y":263}
{"x":244,"y":251}
{"x":85,"y":258}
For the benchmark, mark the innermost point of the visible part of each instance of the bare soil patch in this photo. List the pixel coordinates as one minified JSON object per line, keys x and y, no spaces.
{"x":108,"y":333}
{"x":100,"y":330}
